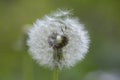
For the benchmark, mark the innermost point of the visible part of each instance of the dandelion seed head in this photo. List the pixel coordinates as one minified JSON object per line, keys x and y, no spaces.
{"x":61,"y":23}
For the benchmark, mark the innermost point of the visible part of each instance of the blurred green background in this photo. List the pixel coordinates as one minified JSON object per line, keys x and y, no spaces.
{"x":101,"y":18}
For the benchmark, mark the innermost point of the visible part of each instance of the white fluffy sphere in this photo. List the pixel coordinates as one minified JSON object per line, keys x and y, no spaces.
{"x":60,"y":22}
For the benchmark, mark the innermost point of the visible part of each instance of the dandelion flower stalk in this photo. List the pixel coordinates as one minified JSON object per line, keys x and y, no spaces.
{"x":58,"y":41}
{"x":55,"y":75}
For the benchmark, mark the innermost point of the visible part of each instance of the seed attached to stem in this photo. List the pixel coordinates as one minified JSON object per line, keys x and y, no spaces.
{"x":57,"y":41}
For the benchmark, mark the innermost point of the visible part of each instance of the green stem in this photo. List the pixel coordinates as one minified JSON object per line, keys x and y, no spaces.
{"x":55,"y":75}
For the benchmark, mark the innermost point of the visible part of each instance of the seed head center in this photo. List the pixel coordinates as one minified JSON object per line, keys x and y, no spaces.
{"x":56,"y":40}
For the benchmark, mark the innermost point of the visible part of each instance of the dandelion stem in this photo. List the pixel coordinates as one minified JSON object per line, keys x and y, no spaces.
{"x":55,"y":75}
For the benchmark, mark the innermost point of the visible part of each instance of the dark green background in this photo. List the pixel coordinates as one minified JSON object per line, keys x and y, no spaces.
{"x":101,"y":18}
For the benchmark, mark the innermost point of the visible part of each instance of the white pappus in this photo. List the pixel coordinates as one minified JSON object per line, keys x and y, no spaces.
{"x":61,"y":33}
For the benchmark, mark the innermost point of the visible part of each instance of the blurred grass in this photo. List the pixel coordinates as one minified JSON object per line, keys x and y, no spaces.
{"x":101,"y":18}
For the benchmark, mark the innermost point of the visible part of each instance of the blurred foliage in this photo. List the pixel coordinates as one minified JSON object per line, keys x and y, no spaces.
{"x":101,"y":18}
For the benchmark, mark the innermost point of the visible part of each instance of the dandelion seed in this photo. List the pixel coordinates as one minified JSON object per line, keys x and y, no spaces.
{"x":58,"y":40}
